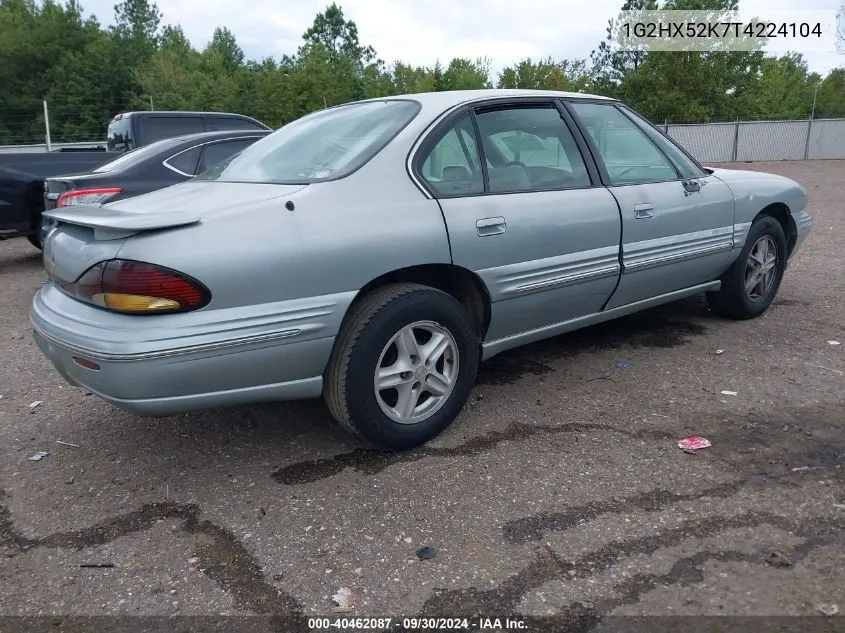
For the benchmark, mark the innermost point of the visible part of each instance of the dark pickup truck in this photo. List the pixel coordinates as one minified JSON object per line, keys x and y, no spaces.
{"x":22,"y":174}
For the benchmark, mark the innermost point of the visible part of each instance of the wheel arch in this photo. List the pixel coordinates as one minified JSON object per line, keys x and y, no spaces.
{"x":461,"y":283}
{"x":780,"y":212}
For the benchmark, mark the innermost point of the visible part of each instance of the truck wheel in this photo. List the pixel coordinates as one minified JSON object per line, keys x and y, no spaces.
{"x":403,"y":365}
{"x":749,"y":286}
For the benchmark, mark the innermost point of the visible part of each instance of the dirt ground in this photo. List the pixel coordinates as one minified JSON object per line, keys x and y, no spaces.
{"x":560,"y":491}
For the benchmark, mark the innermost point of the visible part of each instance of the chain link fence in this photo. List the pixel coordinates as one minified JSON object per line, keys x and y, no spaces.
{"x":761,"y":140}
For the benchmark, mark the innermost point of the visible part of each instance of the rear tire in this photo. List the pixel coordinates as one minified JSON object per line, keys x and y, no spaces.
{"x":35,"y":239}
{"x":749,"y":286}
{"x":36,"y":206}
{"x":403,"y":365}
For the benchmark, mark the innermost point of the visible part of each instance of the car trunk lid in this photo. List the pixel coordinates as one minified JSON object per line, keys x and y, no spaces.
{"x":70,"y":250}
{"x":84,"y":235}
{"x":56,"y":186}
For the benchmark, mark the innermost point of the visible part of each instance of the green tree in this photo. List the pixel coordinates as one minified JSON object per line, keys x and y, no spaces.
{"x":466,"y":74}
{"x":408,"y":79}
{"x":332,"y":50}
{"x":137,"y":35}
{"x":36,"y":42}
{"x":783,"y":89}
{"x":225,"y":46}
{"x":168,"y":78}
{"x":691,"y":85}
{"x":610,"y":65}
{"x":267,"y":98}
{"x":337,"y":36}
{"x":84,"y":95}
{"x":830,"y":97}
{"x":547,"y":74}
{"x":137,"y":20}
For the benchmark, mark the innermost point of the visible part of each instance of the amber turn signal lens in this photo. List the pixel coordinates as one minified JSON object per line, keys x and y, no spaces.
{"x":135,"y":303}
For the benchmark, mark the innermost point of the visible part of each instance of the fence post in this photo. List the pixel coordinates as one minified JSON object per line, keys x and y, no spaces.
{"x":736,"y":139}
{"x":47,"y":126}
{"x":807,"y":142}
{"x":666,"y":127}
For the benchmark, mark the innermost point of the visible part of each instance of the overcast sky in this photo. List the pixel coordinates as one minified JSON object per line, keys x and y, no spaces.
{"x":420,"y":32}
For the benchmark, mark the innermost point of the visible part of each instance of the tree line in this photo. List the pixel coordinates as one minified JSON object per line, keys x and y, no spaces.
{"x":52,"y":50}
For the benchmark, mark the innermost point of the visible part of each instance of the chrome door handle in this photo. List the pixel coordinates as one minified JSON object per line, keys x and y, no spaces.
{"x":643,"y":211}
{"x":491,"y":226}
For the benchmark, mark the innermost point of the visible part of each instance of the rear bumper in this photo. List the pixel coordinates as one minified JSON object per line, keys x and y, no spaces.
{"x":154,"y":367}
{"x":138,"y":382}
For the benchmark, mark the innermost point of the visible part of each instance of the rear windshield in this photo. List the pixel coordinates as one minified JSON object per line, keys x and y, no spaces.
{"x":325,"y":145}
{"x":137,"y":155}
{"x":120,"y":136}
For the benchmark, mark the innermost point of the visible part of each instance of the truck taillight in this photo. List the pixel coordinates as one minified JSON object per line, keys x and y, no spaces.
{"x":135,"y":287}
{"x":86,"y":196}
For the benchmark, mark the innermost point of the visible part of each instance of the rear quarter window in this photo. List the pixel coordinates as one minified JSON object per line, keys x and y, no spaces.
{"x":185,"y":161}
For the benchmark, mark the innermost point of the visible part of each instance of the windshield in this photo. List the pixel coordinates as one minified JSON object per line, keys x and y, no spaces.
{"x":137,"y":155}
{"x":325,"y":145}
{"x":119,"y":135}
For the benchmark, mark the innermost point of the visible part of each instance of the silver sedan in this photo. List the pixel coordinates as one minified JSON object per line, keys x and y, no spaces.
{"x":376,"y":252}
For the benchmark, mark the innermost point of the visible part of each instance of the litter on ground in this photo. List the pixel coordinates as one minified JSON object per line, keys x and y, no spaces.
{"x":693,"y":443}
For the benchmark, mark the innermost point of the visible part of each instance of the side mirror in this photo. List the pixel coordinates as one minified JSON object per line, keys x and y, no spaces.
{"x":691,"y":186}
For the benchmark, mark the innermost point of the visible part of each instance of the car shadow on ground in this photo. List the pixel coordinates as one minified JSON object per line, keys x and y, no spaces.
{"x":665,"y":326}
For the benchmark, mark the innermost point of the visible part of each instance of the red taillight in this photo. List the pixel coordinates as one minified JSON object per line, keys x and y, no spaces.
{"x":139,"y":288}
{"x":86,"y":196}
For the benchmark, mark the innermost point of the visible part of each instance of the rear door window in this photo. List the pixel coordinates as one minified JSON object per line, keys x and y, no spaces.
{"x":453,"y":165}
{"x":530,"y":148}
{"x":158,"y":127}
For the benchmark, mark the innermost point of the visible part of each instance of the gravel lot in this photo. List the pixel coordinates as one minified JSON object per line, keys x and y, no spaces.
{"x":560,"y":490}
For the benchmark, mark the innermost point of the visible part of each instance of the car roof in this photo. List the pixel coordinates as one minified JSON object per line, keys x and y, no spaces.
{"x":215,"y":134}
{"x":187,"y":113}
{"x":450,"y":98}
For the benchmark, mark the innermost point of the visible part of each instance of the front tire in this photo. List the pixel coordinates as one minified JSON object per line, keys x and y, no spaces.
{"x":749,"y":286}
{"x":403,"y":366}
